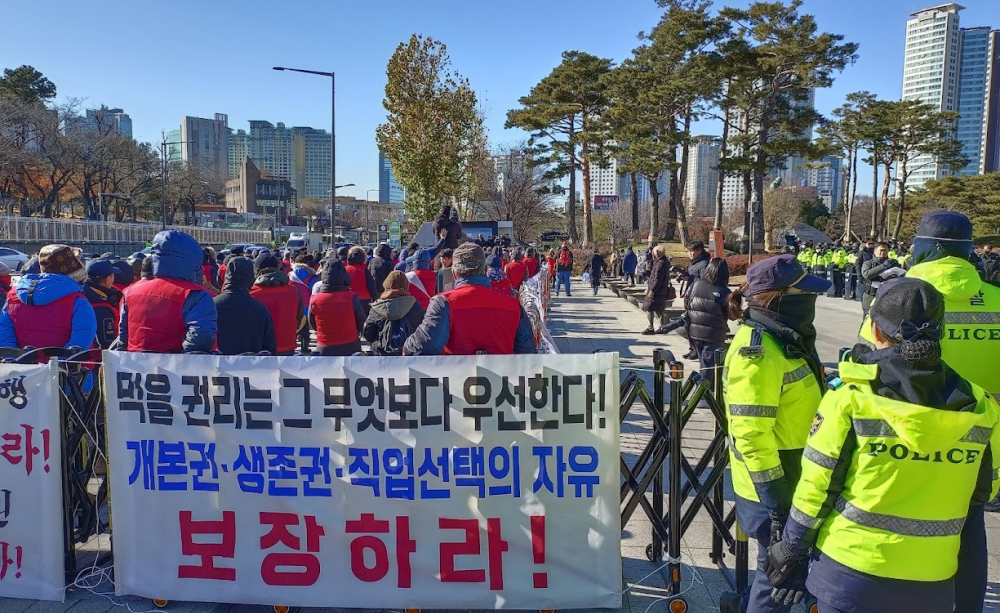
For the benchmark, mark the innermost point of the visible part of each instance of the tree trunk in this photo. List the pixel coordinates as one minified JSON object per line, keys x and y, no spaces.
{"x":875,"y":215}
{"x":682,"y":183}
{"x":748,"y":221}
{"x":670,"y":229}
{"x":854,"y":192}
{"x":588,"y":220}
{"x":654,"y":208}
{"x":634,"y":184}
{"x":571,"y":201}
{"x":901,"y":188}
{"x":846,"y":237}
{"x":886,"y":181}
{"x":723,"y":152}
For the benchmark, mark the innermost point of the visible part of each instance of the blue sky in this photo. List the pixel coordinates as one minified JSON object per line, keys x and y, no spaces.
{"x":160,"y":60}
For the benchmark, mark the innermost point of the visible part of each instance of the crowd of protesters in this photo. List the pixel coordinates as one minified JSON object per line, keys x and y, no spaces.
{"x":184,"y":298}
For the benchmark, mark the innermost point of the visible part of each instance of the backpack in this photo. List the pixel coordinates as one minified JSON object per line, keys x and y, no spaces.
{"x":393,"y":336}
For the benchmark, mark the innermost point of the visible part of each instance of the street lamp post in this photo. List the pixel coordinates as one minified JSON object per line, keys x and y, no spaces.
{"x":333,"y":140}
{"x":368,"y":210}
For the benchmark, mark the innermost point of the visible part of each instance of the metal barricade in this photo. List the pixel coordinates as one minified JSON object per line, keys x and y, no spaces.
{"x":692,"y":488}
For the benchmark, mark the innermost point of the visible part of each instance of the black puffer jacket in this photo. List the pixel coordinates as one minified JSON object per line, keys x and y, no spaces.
{"x":706,"y":310}
{"x":381,"y":265}
{"x":658,"y":286}
{"x":453,"y":227}
{"x":386,"y":311}
{"x":245,"y":325}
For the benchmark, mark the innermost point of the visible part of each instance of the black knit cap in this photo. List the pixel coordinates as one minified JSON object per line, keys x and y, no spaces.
{"x":265,"y":261}
{"x":947,"y":225}
{"x":907,"y":309}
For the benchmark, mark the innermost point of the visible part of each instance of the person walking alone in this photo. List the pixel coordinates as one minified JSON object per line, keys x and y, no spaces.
{"x":659,"y":290}
{"x":564,"y":268}
{"x":596,"y":267}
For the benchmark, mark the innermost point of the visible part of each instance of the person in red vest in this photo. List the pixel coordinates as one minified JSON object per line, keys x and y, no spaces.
{"x":5,"y":283}
{"x":274,"y":290}
{"x":169,"y":311}
{"x":472,"y":318}
{"x":47,"y":309}
{"x":498,"y":280}
{"x":531,"y":261}
{"x":336,"y":313}
{"x":517,"y":270}
{"x":423,"y":280}
{"x":210,"y":269}
{"x":103,"y":295}
{"x":362,"y":281}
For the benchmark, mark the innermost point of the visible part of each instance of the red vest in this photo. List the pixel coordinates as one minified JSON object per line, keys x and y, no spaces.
{"x":481,"y":320}
{"x":503,"y":287}
{"x":282,"y":302}
{"x":155,"y":314}
{"x":428,"y":279}
{"x":532,"y":264}
{"x":222,"y":274}
{"x":517,"y":272}
{"x":333,"y":313}
{"x":48,"y":325}
{"x":359,"y":284}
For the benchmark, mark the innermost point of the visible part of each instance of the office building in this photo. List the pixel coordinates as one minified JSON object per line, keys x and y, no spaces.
{"x":205,"y":142}
{"x":979,"y":98}
{"x":701,"y":189}
{"x":101,"y":121}
{"x":175,"y":153}
{"x":604,"y":180}
{"x":389,"y":191}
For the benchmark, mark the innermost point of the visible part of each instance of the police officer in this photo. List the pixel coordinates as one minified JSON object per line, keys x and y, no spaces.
{"x":472,"y":318}
{"x":971,"y":346}
{"x":895,"y":453}
{"x":773,"y":385}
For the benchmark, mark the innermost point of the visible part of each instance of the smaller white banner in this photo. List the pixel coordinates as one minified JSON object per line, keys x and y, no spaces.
{"x":31,"y":508}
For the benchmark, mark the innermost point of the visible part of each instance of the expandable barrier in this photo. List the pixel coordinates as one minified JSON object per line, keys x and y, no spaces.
{"x":692,"y":489}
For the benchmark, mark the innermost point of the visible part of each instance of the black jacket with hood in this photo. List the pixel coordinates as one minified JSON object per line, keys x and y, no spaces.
{"x":708,"y":320}
{"x":446,"y":221}
{"x":386,"y":311}
{"x":381,"y":265}
{"x":245,"y":324}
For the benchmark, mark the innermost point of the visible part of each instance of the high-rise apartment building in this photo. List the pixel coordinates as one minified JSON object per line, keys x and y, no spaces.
{"x":702,"y":185}
{"x":931,"y":71}
{"x":604,"y":179}
{"x":205,"y":141}
{"x":301,"y":155}
{"x":389,"y":191}
{"x":955,"y":69}
{"x":829,"y":180}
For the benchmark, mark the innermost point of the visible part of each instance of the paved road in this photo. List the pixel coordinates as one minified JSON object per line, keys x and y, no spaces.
{"x":584,"y":324}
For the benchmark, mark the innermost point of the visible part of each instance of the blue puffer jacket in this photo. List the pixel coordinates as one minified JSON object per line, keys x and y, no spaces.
{"x":49,"y":288}
{"x":178,"y":256}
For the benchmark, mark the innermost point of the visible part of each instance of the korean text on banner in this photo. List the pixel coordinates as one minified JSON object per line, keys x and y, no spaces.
{"x":31,"y":500}
{"x":470,"y":482}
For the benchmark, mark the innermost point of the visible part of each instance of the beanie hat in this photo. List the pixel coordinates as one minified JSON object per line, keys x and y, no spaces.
{"x":395,"y":284}
{"x":61,"y":260}
{"x":468,"y":259}
{"x":265,"y":261}
{"x":908,"y":309}
{"x":4,"y":270}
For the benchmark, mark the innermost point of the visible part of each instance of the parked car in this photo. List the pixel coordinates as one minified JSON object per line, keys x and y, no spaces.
{"x":14,"y":259}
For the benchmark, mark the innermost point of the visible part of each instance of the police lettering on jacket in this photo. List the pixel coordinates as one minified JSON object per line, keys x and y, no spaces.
{"x":902,"y":452}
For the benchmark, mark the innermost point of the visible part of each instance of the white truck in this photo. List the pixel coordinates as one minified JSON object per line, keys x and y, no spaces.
{"x":312,"y":241}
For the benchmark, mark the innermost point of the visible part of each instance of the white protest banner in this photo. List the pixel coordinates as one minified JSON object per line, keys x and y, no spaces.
{"x":471,"y":482}
{"x":31,"y":500}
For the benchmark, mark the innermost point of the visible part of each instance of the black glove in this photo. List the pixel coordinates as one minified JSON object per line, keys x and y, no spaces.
{"x":794,"y":588}
{"x":782,"y":561}
{"x":777,"y":527}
